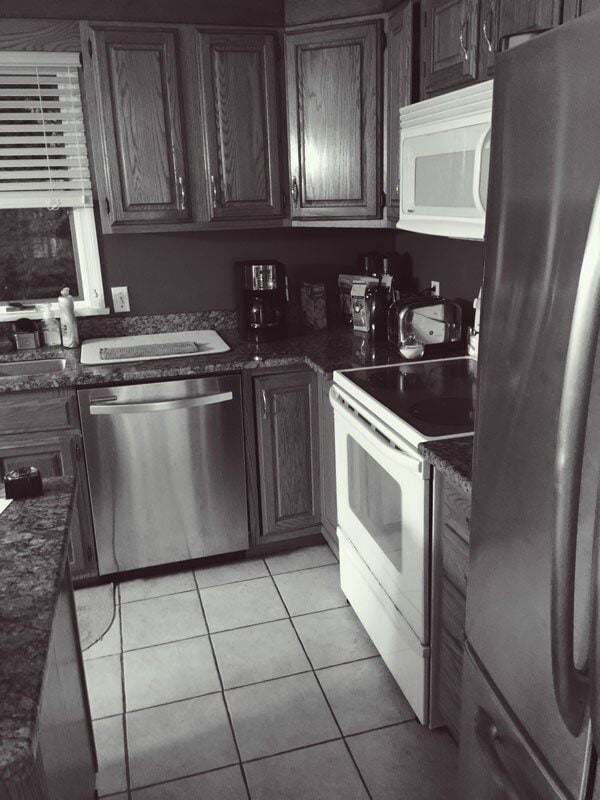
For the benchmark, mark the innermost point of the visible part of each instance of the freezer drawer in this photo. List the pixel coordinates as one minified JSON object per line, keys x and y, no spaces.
{"x":166,"y":471}
{"x":496,"y":761}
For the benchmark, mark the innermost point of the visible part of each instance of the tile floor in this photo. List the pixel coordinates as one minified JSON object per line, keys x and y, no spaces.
{"x":254,"y":680}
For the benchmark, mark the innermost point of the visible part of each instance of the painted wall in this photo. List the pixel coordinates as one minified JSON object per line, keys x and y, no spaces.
{"x":192,"y":272}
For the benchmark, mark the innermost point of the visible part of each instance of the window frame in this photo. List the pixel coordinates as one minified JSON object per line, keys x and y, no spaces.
{"x":83,"y":224}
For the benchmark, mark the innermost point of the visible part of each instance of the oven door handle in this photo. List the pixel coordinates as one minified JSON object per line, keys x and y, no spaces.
{"x":375,"y":430}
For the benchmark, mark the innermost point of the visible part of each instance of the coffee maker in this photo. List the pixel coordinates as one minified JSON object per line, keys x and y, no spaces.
{"x":261,"y":290}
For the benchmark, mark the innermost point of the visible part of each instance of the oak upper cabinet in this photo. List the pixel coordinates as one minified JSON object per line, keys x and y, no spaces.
{"x":287,"y":411}
{"x":449,"y":44}
{"x":400,"y":29}
{"x":503,"y":18}
{"x":334,"y":88}
{"x":240,"y":109}
{"x":137,"y":87}
{"x":576,"y":8}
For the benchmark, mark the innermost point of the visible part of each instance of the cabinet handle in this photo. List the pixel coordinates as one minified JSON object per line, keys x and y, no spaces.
{"x":213,"y":187}
{"x":265,"y":404}
{"x":461,"y":39}
{"x":294,"y":190}
{"x":181,"y":193}
{"x":487,"y":736}
{"x":487,"y":29}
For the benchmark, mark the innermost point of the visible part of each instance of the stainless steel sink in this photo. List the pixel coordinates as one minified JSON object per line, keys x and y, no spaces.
{"x":11,"y":369}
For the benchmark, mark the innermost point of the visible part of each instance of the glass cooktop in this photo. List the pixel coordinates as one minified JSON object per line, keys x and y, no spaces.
{"x":436,"y":398}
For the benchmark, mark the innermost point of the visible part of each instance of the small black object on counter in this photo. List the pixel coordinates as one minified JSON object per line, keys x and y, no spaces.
{"x":23,"y":482}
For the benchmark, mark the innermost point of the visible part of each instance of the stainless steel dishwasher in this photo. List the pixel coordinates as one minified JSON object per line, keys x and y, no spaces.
{"x":166,"y":470}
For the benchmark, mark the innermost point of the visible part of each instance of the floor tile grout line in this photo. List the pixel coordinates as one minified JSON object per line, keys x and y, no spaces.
{"x":292,"y":750}
{"x":360,"y":775}
{"x":181,"y":778}
{"x":380,"y":728}
{"x":224,"y":698}
{"x":124,"y":698}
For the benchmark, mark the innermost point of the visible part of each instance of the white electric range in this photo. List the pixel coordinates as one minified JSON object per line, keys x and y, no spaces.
{"x":381,"y":416}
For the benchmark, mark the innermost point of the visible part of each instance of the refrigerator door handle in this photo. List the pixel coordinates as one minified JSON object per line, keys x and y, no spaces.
{"x":571,"y":685}
{"x":487,"y":735}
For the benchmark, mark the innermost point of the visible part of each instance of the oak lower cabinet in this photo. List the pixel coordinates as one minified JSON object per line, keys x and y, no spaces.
{"x":327,"y":462}
{"x":452,"y":511}
{"x":41,"y":429}
{"x":140,"y":137}
{"x":239,"y":91}
{"x":334,"y":94}
{"x":287,"y":428}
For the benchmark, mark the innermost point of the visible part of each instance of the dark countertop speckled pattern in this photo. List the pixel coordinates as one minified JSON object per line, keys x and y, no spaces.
{"x":33,"y":545}
{"x":453,"y":457}
{"x":323,"y":351}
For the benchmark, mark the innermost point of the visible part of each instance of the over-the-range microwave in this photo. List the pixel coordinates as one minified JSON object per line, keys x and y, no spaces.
{"x":444,"y":163}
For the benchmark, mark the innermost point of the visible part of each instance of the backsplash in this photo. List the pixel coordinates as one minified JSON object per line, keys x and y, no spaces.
{"x":97,"y":327}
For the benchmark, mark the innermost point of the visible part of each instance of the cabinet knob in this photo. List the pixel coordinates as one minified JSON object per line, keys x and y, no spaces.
{"x":464,"y":25}
{"x":294,"y":190}
{"x":213,"y":187}
{"x":181,"y":189}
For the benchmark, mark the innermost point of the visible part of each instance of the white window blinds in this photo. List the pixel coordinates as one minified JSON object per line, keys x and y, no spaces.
{"x":43,"y":153}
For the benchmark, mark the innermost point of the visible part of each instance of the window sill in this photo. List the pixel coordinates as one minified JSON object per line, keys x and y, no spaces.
{"x":80,"y":311}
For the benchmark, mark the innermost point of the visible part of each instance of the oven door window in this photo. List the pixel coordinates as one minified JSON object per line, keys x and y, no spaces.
{"x":381,"y":509}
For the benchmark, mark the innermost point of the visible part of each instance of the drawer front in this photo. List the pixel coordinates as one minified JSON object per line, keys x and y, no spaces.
{"x":455,"y":556}
{"x":38,"y":411}
{"x":453,"y":611}
{"x":456,"y":509}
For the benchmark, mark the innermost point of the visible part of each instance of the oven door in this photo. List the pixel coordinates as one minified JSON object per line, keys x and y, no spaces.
{"x":382,"y":505}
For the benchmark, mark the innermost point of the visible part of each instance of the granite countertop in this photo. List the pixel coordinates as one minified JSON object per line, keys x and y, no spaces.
{"x":452,"y":457}
{"x":33,"y":555}
{"x":323,"y":351}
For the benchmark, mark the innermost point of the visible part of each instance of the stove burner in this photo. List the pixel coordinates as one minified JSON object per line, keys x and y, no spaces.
{"x":444,"y":411}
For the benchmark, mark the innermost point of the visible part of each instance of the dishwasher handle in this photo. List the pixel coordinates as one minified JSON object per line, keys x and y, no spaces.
{"x":110,"y":407}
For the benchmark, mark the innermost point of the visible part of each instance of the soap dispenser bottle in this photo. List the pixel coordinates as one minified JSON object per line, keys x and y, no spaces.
{"x":68,"y":323}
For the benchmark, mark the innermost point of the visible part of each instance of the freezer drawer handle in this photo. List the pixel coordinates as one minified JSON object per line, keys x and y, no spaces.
{"x":487,"y":735}
{"x":160,"y":405}
{"x":571,"y":685}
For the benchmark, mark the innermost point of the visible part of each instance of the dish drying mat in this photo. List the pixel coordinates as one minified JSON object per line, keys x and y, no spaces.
{"x":149,"y":350}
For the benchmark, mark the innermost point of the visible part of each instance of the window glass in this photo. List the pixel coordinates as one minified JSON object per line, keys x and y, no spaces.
{"x":37,"y":258}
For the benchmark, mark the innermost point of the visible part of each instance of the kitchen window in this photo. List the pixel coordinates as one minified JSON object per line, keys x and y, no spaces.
{"x":46,"y":211}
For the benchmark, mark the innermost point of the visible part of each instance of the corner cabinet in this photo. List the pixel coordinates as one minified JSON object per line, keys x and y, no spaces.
{"x":41,"y":429}
{"x":334,"y":92}
{"x":141,"y":137}
{"x":287,"y":423}
{"x":239,"y":95}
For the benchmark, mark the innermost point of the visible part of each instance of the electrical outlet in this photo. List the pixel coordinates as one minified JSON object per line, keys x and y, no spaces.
{"x":120,"y":296}
{"x":435,"y":288}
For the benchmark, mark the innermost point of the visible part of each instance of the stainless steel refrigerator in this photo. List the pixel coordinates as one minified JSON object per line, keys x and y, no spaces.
{"x":531,"y":673}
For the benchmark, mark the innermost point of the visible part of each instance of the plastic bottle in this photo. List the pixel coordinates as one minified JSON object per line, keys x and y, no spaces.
{"x":50,"y":327}
{"x":68,"y":323}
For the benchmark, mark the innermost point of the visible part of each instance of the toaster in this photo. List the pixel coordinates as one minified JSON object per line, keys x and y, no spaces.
{"x":433,"y":321}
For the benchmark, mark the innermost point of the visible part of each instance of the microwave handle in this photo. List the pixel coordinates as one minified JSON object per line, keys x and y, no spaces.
{"x":477,"y":171}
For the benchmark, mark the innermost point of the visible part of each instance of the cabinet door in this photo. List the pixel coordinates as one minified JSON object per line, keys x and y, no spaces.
{"x":142,"y":142}
{"x":288,"y":451}
{"x":399,"y":94}
{"x":327,"y":459}
{"x":56,"y":454}
{"x":450,"y":32}
{"x":334,"y":116}
{"x":242,"y":126}
{"x":500,"y":18}
{"x":576,"y":8}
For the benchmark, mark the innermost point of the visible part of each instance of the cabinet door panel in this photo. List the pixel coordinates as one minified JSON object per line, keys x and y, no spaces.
{"x":399,"y":94}
{"x":241,"y":112}
{"x":144,"y":155}
{"x":450,"y":38}
{"x":288,"y":451}
{"x":334,"y":108}
{"x":51,"y":454}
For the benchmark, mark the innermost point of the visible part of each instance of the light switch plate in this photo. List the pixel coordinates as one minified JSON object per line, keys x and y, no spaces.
{"x":120,"y":296}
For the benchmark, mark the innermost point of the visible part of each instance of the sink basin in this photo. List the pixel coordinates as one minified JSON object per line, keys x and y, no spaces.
{"x":10,"y":369}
